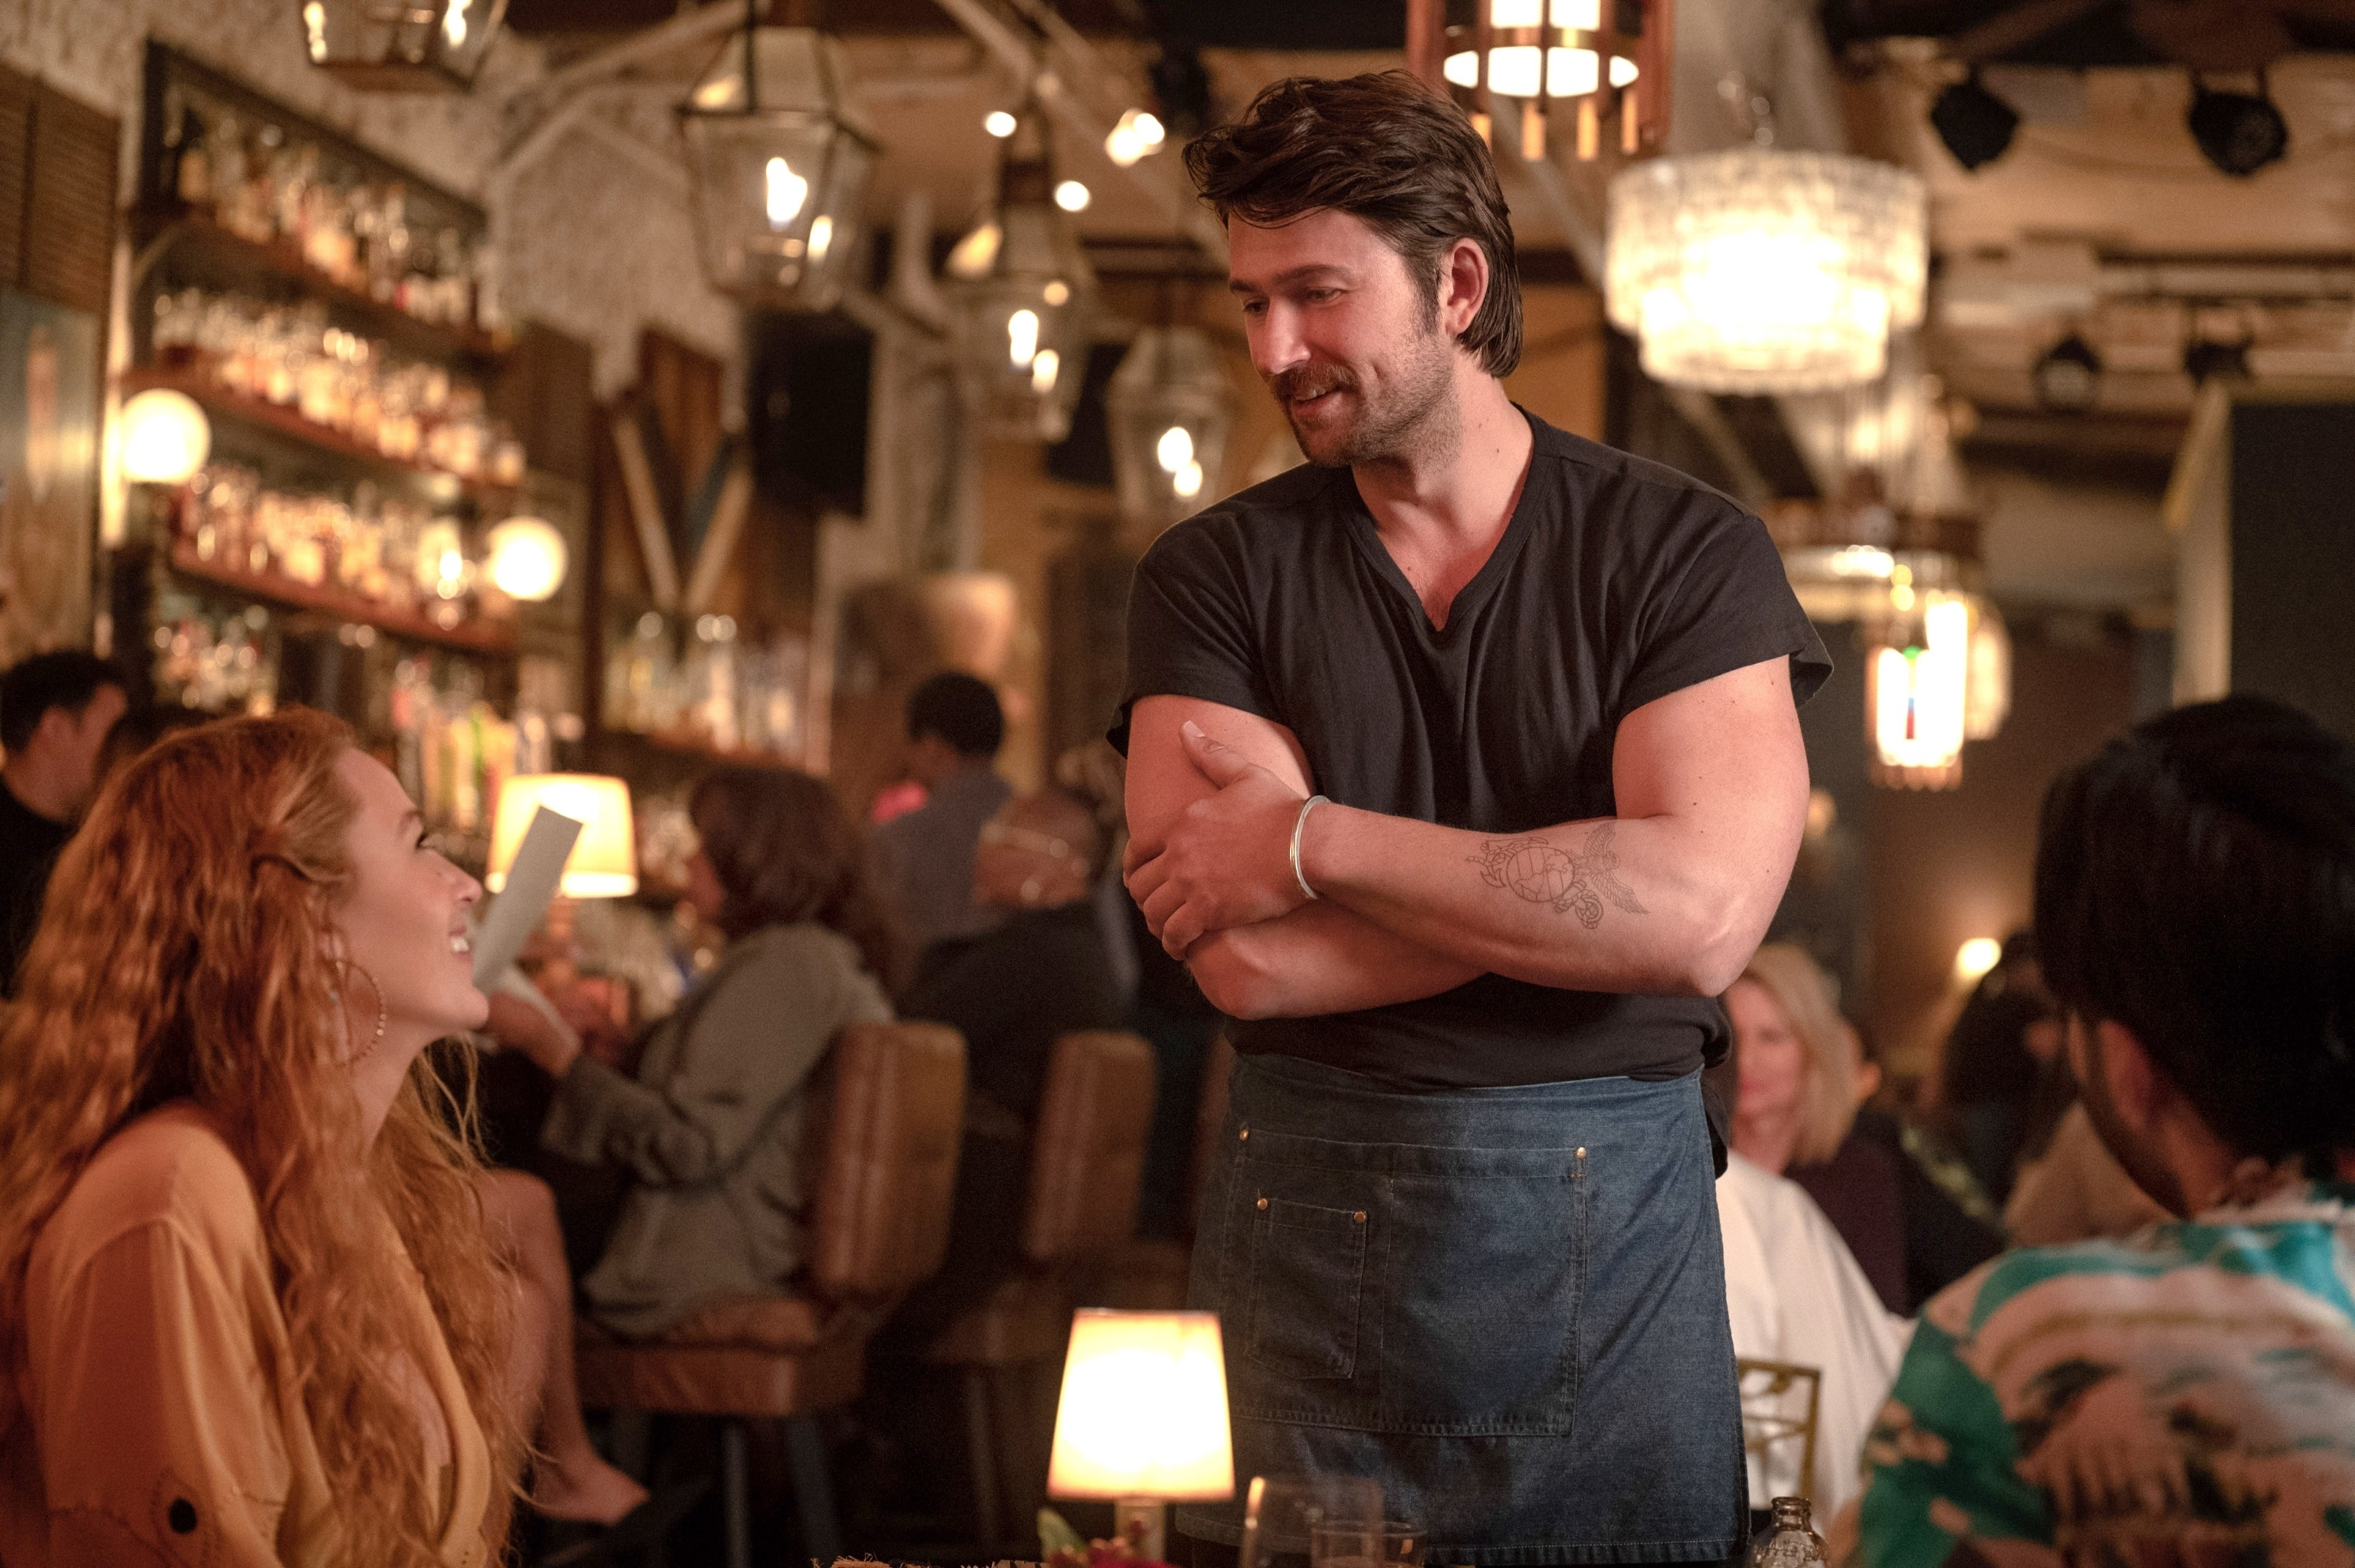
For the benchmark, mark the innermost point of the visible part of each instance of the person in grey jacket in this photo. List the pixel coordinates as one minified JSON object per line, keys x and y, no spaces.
{"x":709,"y":1128}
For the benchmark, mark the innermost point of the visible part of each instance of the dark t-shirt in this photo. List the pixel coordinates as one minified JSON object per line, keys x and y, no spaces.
{"x":1616,"y":582}
{"x":30,"y":843}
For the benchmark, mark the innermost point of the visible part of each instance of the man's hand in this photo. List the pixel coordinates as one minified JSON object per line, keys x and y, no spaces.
{"x":1226,"y":860}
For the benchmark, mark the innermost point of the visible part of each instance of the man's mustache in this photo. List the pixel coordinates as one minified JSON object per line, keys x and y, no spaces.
{"x":1309,"y":381}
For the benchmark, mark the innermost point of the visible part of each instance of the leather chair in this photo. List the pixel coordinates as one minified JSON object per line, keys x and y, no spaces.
{"x":1152,"y":1274}
{"x":892,"y":1107}
{"x":1087,"y":1165}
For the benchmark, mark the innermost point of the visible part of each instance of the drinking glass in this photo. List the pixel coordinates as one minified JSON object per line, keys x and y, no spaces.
{"x":1282,"y":1513}
{"x":1383,"y":1544}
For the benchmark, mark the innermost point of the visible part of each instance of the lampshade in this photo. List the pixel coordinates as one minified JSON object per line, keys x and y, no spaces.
{"x":1547,"y":52}
{"x":1024,"y":298}
{"x":1144,"y":1409}
{"x":604,"y":861}
{"x":1170,"y":410}
{"x":1759,"y":270}
{"x":402,"y":45}
{"x":780,"y":156}
{"x":165,"y":437}
{"x":1917,"y":683}
{"x":528,"y":559}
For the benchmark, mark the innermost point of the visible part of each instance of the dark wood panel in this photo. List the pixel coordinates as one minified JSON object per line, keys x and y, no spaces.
{"x":546,"y":392}
{"x":17,"y":95}
{"x":69,"y":202}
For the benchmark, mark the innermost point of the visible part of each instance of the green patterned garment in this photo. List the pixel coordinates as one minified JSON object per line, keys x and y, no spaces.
{"x":2186,"y":1395}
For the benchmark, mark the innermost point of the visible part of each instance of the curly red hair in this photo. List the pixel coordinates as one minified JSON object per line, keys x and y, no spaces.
{"x":185,"y":952}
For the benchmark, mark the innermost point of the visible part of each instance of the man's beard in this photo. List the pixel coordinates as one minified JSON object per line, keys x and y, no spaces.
{"x":2141,"y":1163}
{"x":1412,"y":418}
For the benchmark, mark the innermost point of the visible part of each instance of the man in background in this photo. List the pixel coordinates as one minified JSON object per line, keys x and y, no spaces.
{"x":923,"y":858}
{"x":2186,"y":1395}
{"x":54,"y":710}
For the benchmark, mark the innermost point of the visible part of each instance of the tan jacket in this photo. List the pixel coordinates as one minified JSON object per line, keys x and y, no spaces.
{"x":161,"y":1418}
{"x":711,"y":1129}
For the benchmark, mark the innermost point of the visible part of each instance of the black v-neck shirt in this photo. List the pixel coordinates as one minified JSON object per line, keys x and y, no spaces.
{"x":1616,"y":582}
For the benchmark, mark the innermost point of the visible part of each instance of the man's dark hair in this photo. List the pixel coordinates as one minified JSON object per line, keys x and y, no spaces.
{"x":66,"y":678}
{"x":1389,"y":151}
{"x":2195,"y":884}
{"x":961,"y":711}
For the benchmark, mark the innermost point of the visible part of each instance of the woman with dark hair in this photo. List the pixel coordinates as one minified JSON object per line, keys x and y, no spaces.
{"x":709,"y":1128}
{"x":249,"y":1315}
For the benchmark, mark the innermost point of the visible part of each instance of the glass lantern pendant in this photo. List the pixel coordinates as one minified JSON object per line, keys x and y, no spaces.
{"x":1759,"y":270}
{"x":1170,"y":410}
{"x":780,"y":158}
{"x":1917,"y":687}
{"x":1024,"y":298}
{"x":1549,"y":52}
{"x":400,"y":45}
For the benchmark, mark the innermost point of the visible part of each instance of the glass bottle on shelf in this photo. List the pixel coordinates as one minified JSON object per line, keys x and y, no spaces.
{"x":1791,"y":1540}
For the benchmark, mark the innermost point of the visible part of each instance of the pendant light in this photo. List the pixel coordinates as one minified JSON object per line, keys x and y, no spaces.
{"x":1556,"y":55}
{"x":400,"y":45}
{"x":1761,"y":270}
{"x":780,"y":157}
{"x":1024,"y":297}
{"x":1170,"y":409}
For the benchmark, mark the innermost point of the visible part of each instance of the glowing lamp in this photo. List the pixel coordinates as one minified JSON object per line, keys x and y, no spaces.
{"x":604,"y":860}
{"x":1143,"y":1418}
{"x":1023,"y":296}
{"x":1547,"y":52}
{"x":1974,"y":959}
{"x":400,"y":45}
{"x":1917,"y":683}
{"x":165,"y":437}
{"x":1170,"y":409}
{"x":1758,"y":270}
{"x":780,"y":157}
{"x":528,"y":559}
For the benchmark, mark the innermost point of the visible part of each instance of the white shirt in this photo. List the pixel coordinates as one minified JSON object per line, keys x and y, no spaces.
{"x":1795,"y":1295}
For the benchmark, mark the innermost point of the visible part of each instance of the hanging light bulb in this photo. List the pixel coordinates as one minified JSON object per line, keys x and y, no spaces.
{"x":780,"y":158}
{"x":1023,"y":295}
{"x":413,"y":46}
{"x":165,"y":437}
{"x":1137,"y":134}
{"x":1072,"y":196}
{"x":1917,"y":681}
{"x":527,"y":558}
{"x":999,"y":123}
{"x":1170,"y":409}
{"x":1549,"y":53}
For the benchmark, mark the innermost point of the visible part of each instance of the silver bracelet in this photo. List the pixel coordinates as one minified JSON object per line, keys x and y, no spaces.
{"x":1298,"y":824}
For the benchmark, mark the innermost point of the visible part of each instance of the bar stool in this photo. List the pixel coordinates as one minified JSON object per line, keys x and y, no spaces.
{"x":1087,"y":1164}
{"x":892,"y":1107}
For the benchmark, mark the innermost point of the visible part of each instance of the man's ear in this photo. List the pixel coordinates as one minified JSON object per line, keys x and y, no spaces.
{"x":1463,"y":286}
{"x":2138,"y":1087}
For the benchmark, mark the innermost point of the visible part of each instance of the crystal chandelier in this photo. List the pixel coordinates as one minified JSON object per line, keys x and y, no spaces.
{"x":1759,"y":270}
{"x":780,"y":158}
{"x":1170,"y":410}
{"x":1024,"y":298}
{"x":1550,"y":52}
{"x":402,"y":45}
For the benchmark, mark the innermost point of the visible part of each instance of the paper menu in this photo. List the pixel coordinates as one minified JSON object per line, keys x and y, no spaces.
{"x":531,"y":883}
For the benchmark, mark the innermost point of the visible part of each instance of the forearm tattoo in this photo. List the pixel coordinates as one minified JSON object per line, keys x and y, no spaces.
{"x":1573,"y":884}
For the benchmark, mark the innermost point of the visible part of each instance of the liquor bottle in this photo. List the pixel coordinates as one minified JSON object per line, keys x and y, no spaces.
{"x":1790,"y":1542}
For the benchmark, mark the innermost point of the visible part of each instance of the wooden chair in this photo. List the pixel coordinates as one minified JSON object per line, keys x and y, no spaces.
{"x":891,"y":1108}
{"x":1151,"y":1273}
{"x":1780,"y":1403}
{"x":1087,"y":1164}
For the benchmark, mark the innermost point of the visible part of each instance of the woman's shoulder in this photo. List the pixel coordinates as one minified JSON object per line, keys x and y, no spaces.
{"x":170,"y":1167}
{"x":794,"y":954}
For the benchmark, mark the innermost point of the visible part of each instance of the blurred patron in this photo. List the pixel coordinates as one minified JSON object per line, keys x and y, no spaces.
{"x":2187,"y":1395}
{"x":2001,"y":1083}
{"x":55,"y":710}
{"x":709,"y":1126}
{"x":923,"y":858}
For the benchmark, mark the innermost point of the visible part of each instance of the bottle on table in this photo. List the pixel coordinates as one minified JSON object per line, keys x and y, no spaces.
{"x":1791,"y":1540}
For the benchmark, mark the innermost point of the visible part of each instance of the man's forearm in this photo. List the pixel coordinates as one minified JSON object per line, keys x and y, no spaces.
{"x":1319,"y":959}
{"x":1642,"y":905}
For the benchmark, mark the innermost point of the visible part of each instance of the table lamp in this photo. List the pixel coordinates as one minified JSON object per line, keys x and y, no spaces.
{"x":605,"y":859}
{"x":1142,"y":1421}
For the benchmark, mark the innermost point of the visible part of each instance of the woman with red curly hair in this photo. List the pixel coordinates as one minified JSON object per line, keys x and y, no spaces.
{"x":248,"y":1312}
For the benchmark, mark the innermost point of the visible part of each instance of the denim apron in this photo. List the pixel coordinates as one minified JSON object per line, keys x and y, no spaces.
{"x":1507,"y":1305}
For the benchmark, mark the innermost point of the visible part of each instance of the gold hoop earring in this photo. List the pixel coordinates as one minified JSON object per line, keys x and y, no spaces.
{"x":374,"y":1039}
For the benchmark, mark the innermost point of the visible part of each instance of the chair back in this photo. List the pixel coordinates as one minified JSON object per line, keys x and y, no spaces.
{"x":893,"y":1112}
{"x":1087,"y":1151}
{"x":1781,"y":1404}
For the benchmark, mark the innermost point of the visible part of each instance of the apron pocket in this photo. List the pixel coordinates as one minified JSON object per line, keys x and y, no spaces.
{"x":1307,"y":1270}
